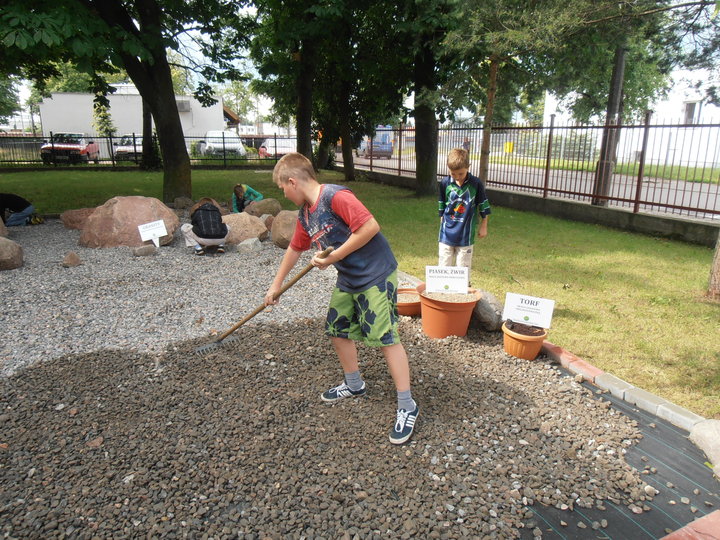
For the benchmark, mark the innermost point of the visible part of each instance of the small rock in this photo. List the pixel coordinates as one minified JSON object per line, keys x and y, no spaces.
{"x":95,"y":443}
{"x":71,"y":260}
{"x":144,"y":250}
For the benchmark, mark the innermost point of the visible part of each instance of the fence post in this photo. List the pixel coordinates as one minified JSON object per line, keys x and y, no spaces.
{"x":112,"y":153}
{"x":223,"y":142}
{"x":400,"y":149}
{"x":52,"y":146}
{"x":370,"y":147}
{"x":546,"y":183}
{"x":641,"y":165}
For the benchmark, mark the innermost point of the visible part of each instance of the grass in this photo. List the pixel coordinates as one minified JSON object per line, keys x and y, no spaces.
{"x":630,"y":304}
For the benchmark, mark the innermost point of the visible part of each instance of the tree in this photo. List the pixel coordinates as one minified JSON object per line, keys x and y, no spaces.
{"x":240,"y":98}
{"x":346,"y":41}
{"x":9,"y":100}
{"x":97,"y":35}
{"x":714,"y":282}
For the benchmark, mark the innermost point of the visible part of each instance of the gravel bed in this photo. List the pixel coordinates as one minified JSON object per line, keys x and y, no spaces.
{"x":115,"y":300}
{"x":123,"y":432}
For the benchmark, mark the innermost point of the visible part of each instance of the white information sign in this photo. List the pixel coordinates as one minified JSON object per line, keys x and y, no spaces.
{"x":449,"y":279}
{"x":153,"y":231}
{"x":528,"y":310}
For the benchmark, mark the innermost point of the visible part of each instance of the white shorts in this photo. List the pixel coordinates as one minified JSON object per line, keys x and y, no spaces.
{"x":455,"y":255}
{"x":192,"y":239}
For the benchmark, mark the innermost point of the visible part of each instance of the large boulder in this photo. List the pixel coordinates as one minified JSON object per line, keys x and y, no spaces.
{"x":283,"y":227}
{"x":116,"y":222}
{"x":243,"y":227}
{"x":3,"y":229}
{"x":11,"y":254}
{"x":264,"y":206}
{"x":75,"y":219}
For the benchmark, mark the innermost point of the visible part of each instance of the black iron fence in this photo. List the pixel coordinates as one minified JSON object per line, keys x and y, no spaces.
{"x":74,"y":149}
{"x":661,"y":168}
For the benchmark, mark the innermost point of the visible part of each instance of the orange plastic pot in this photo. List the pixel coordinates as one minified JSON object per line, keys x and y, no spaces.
{"x":409,"y":309}
{"x":442,"y":319}
{"x":520,"y":345}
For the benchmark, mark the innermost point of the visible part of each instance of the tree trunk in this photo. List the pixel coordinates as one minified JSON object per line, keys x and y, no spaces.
{"x":347,"y":151}
{"x":304,"y":82}
{"x":606,"y":163}
{"x":176,"y":162}
{"x":150,"y":159}
{"x":154,"y":82}
{"x":487,"y":122}
{"x":714,"y":284}
{"x":426,"y":126}
{"x":323,"y":153}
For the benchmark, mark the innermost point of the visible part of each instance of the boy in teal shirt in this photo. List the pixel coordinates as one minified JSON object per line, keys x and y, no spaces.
{"x":461,"y":202}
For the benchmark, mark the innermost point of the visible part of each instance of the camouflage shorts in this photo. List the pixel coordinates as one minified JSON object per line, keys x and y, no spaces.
{"x":369,"y":316}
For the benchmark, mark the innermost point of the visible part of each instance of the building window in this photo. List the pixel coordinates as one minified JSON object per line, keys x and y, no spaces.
{"x":689,"y":112}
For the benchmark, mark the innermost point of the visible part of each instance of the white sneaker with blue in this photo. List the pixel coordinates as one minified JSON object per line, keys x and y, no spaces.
{"x":404,"y":425}
{"x":341,"y":391}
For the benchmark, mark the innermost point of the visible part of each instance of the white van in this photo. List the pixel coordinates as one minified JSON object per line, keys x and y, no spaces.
{"x":219,"y":143}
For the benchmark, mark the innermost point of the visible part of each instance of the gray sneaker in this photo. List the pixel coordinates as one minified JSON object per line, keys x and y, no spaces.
{"x":341,"y":391}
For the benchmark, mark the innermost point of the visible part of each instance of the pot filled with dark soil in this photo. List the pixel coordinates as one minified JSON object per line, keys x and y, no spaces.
{"x":521,"y":340}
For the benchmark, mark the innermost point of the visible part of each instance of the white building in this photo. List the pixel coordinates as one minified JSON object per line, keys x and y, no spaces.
{"x":73,"y":112}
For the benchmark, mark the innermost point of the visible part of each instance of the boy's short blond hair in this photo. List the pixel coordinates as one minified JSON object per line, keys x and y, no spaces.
{"x":458,"y":158}
{"x":293,"y":165}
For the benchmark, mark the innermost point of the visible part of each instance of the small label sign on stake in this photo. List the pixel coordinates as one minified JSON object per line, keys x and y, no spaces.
{"x":446,"y":279}
{"x":153,"y":231}
{"x":528,"y":310}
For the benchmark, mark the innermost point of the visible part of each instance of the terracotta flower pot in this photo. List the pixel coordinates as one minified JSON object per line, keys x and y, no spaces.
{"x":521,"y":345}
{"x":409,"y":309}
{"x":441,"y":319}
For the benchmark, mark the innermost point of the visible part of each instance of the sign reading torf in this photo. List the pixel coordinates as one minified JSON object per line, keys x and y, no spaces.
{"x":448,"y":279}
{"x":528,"y":310}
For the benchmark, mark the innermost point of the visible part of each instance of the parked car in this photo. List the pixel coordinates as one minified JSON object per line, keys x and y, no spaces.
{"x":219,"y":143}
{"x":277,"y":148}
{"x":69,"y":147}
{"x":129,"y":148}
{"x":382,"y":146}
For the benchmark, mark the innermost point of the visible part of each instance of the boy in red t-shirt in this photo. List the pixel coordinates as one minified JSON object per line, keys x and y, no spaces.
{"x":363,"y":306}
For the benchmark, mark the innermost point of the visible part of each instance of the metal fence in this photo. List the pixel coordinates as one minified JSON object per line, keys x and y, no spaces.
{"x":662,"y":168}
{"x":126,"y":150}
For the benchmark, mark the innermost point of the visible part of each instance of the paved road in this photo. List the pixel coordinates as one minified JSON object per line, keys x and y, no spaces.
{"x":677,"y":197}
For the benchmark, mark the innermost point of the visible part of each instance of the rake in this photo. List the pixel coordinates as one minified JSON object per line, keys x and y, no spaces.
{"x":206,"y":349}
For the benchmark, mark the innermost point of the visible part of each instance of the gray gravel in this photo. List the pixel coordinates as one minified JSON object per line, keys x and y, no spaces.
{"x":123,"y":432}
{"x":117,"y":301}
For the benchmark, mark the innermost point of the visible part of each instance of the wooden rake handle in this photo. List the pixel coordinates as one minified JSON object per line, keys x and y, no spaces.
{"x":284,"y":288}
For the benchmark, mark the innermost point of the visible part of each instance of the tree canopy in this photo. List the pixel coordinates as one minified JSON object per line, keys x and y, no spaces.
{"x":339,"y":68}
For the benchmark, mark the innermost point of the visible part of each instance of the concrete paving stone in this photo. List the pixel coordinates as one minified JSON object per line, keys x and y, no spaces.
{"x":706,"y":436}
{"x":678,"y":416}
{"x":705,"y":528}
{"x":615,"y":385}
{"x":644,"y":399}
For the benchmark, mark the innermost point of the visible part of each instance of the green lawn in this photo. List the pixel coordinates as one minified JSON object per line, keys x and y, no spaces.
{"x":630,"y":304}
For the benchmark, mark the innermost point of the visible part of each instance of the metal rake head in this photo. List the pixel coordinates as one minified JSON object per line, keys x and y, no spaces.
{"x":204,"y":350}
